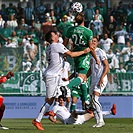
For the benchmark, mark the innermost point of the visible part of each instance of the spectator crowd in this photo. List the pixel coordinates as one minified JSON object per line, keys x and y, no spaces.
{"x":26,"y":26}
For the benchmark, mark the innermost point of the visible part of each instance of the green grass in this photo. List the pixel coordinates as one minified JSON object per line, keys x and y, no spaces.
{"x":113,"y":125}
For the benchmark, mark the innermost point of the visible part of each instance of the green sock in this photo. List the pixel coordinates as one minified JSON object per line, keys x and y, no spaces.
{"x":74,"y":82}
{"x":84,"y":92}
{"x":73,"y":106}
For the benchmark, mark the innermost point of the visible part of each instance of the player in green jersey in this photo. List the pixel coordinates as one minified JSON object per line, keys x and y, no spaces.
{"x":81,"y":38}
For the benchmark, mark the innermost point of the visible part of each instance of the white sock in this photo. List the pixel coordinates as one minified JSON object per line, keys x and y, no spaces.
{"x":43,"y":110}
{"x":98,"y":108}
{"x":106,"y":113}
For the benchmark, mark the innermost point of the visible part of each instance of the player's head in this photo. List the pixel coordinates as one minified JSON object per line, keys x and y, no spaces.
{"x":61,"y":98}
{"x":52,"y":36}
{"x":94,"y":42}
{"x":79,"y":18}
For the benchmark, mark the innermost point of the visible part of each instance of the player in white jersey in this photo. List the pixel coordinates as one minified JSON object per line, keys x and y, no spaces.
{"x":98,"y":81}
{"x":54,"y":53}
{"x":62,"y":113}
{"x":65,"y":81}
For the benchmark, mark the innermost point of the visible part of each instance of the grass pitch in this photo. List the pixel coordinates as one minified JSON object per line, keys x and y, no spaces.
{"x":113,"y":125}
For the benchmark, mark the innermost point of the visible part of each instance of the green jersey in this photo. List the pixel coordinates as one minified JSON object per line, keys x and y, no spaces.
{"x":80,"y":36}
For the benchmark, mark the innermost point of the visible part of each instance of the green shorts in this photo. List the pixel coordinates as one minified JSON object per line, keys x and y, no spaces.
{"x":82,"y":64}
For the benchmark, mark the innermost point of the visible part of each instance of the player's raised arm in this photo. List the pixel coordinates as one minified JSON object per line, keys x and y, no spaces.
{"x":78,"y":53}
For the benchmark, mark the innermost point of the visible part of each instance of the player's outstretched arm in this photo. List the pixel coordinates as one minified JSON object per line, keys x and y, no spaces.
{"x":78,"y":53}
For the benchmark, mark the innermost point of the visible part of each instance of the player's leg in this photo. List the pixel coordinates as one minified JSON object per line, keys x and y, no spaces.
{"x":84,"y":91}
{"x":51,"y":91}
{"x":98,"y":112}
{"x":2,"y":107}
{"x":1,"y":100}
{"x":83,"y":118}
{"x":75,"y":82}
{"x":112,"y":111}
{"x":75,"y":94}
{"x":73,"y":104}
{"x":97,"y":91}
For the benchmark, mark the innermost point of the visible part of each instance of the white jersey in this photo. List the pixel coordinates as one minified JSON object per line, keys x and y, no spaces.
{"x":54,"y":54}
{"x":61,"y":112}
{"x":97,"y":71}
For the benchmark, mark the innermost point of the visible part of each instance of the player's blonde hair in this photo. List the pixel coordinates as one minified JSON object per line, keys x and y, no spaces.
{"x":79,"y":18}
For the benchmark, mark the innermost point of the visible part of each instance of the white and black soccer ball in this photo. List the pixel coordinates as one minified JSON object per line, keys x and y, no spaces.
{"x":77,"y":7}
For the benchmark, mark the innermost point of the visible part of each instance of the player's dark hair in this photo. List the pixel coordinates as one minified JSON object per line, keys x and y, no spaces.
{"x":48,"y":36}
{"x":96,"y":38}
{"x":61,"y":96}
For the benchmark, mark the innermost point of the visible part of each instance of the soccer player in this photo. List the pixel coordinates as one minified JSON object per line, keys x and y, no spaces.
{"x":98,"y":81}
{"x":81,"y":38}
{"x":64,"y":81}
{"x":54,"y":53}
{"x":3,"y":79}
{"x":62,"y":114}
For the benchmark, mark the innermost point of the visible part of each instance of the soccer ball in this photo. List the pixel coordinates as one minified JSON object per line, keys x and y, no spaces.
{"x":77,"y":7}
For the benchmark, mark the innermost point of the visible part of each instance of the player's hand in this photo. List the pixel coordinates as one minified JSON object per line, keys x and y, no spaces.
{"x":101,"y":84}
{"x":87,"y":50}
{"x":9,"y":75}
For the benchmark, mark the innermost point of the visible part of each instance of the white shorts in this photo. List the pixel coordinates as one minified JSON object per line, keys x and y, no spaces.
{"x":95,"y":87}
{"x":76,"y":121}
{"x":51,"y":83}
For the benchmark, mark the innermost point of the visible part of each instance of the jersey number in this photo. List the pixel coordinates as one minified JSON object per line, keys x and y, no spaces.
{"x":77,"y":40}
